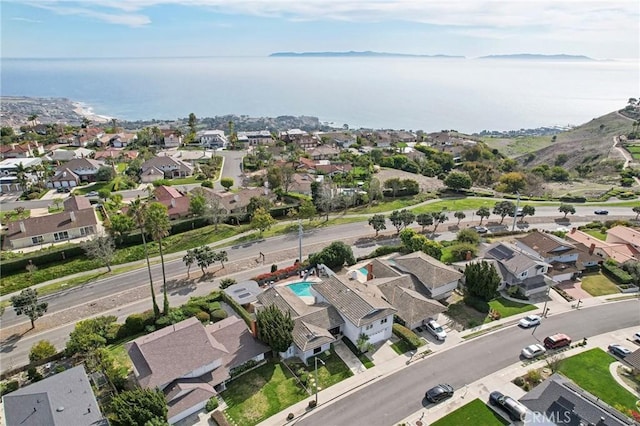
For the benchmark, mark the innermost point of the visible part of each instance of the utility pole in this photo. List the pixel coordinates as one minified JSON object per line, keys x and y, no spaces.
{"x":515,"y":213}
{"x":300,"y":233}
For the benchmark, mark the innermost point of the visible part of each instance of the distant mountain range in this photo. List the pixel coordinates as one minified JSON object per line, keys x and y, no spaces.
{"x":357,"y":54}
{"x":535,"y":57}
{"x":370,"y":54}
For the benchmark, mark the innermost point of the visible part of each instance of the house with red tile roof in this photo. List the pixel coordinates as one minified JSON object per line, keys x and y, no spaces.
{"x":23,"y":150}
{"x":177,"y":203}
{"x":615,"y":249}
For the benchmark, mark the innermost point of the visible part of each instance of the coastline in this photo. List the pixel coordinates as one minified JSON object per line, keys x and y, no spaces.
{"x":86,"y":111}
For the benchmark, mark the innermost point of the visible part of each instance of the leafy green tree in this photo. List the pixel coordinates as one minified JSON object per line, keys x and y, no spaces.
{"x":512,"y":182}
{"x":189,"y":259}
{"x":374,"y":190}
{"x":424,"y":220}
{"x":42,"y":350}
{"x":197,"y":205}
{"x":438,"y":218}
{"x":157,"y":225}
{"x":226,"y":182}
{"x":102,"y":248}
{"x":458,"y":180}
{"x":527,"y":210}
{"x":138,"y":211}
{"x":481,"y":280}
{"x":262,"y":220}
{"x":193,"y":121}
{"x":459,"y":215}
{"x":636,"y":210}
{"x":104,"y":193}
{"x":258,"y":202}
{"x":504,"y":208}
{"x":89,"y":335}
{"x":408,"y":217}
{"x":307,"y":210}
{"x":378,"y":223}
{"x":119,"y":226}
{"x":483,"y":212}
{"x":335,"y":255}
{"x":566,"y":209}
{"x":214,"y":211}
{"x":105,"y":174}
{"x":275,"y":328}
{"x":227,"y":282}
{"x":27,"y":303}
{"x":395,"y":184}
{"x":363,"y":344}
{"x":274,"y":177}
{"x":221,"y":257}
{"x":396,"y":220}
{"x":204,"y":257}
{"x":468,"y":236}
{"x":138,"y":407}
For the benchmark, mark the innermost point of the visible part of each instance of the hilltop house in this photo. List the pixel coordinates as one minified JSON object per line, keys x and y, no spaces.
{"x":233,"y":202}
{"x":9,"y":173}
{"x":616,"y":249}
{"x":172,"y":139}
{"x":190,"y":362}
{"x":82,"y":170}
{"x":177,"y":203}
{"x":257,"y":138}
{"x":168,"y":167}
{"x":78,"y":220}
{"x":213,"y":139}
{"x":23,"y":150}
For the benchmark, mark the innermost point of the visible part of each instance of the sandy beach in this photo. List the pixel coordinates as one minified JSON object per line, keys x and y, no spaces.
{"x":86,"y":111}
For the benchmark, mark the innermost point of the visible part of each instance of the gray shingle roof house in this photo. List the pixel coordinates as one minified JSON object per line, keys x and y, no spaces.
{"x":63,"y":399}
{"x":439,"y":279}
{"x":316,"y":325}
{"x":558,"y":400}
{"x":189,"y":362}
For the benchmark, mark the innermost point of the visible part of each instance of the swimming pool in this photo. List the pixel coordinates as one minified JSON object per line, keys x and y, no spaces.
{"x":364,"y":271}
{"x":301,"y":289}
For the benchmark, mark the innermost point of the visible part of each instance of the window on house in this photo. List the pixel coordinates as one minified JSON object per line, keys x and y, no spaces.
{"x":317,"y":350}
{"x":86,"y":230}
{"x":369,"y":327}
{"x":382,"y":321}
{"x":37,"y":240}
{"x":524,"y":274}
{"x":59,"y":236}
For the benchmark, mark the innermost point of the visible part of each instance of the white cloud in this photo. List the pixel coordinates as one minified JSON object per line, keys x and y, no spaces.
{"x":31,"y":21}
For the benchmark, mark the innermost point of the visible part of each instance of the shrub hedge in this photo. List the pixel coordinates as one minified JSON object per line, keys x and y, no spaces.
{"x":408,"y":336}
{"x":617,"y":273}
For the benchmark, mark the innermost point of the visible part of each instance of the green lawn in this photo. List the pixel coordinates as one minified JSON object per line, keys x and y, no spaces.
{"x":271,"y":388}
{"x":401,"y":347}
{"x":11,"y":215}
{"x":598,"y":284}
{"x":183,"y":181}
{"x":595,"y":233}
{"x":386,"y":206}
{"x":93,"y":187}
{"x":508,"y":308}
{"x":475,"y":412}
{"x":590,"y":370}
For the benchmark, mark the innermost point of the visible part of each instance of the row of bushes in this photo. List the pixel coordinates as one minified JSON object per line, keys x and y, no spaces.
{"x":278,"y":274}
{"x":246,"y":316}
{"x":476,"y":303}
{"x":411,"y":338}
{"x":615,"y":272}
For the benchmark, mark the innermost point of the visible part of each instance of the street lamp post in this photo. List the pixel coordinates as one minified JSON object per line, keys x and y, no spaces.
{"x":300,"y":232}
{"x":515,"y":213}
{"x":316,"y":359}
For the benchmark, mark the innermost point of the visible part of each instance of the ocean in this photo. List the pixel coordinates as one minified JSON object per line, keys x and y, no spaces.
{"x":430,"y":94}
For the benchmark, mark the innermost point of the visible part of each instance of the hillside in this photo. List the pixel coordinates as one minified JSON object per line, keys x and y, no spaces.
{"x":590,"y":143}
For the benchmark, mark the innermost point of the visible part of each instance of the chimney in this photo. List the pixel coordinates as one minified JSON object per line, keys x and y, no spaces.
{"x":22,"y":228}
{"x":592,"y":247}
{"x":72,"y":216}
{"x":370,"y":272}
{"x":573,"y":230}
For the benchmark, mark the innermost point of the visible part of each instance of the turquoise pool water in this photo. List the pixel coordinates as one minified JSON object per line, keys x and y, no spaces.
{"x":364,"y":271}
{"x":303,"y":288}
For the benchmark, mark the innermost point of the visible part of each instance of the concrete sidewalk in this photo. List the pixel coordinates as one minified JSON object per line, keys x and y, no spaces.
{"x":499,"y":380}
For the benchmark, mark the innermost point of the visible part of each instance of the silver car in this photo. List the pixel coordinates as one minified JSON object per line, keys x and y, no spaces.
{"x":436,"y":330}
{"x":533,"y":351}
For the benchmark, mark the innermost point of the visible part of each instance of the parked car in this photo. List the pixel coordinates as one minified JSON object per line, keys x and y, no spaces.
{"x":600,"y":211}
{"x":636,"y":337}
{"x":439,"y":393}
{"x":530,"y":321}
{"x":513,"y":408}
{"x":436,"y":330}
{"x":92,"y":194}
{"x":619,"y":350}
{"x":557,"y":341}
{"x":481,"y":229}
{"x":533,"y":351}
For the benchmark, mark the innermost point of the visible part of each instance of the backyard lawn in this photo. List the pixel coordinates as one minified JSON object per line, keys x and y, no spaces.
{"x":506,"y":308}
{"x":598,"y":284}
{"x":590,"y":370}
{"x":474,"y":413}
{"x":596,"y":233}
{"x":272,"y":388}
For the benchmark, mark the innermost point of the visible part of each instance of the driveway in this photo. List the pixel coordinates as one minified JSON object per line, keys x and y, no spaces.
{"x":574,"y":289}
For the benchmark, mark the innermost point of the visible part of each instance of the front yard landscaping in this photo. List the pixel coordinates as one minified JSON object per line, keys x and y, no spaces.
{"x":474,"y":413}
{"x":507,"y":308}
{"x":598,"y":284}
{"x":271,"y":388}
{"x":590,"y":370}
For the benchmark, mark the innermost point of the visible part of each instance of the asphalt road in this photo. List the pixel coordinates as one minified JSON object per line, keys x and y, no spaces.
{"x":393,"y":398}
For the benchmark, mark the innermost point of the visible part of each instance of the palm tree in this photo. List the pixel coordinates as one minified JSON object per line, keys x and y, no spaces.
{"x":189,"y":259}
{"x":138,"y":211}
{"x":157,"y":225}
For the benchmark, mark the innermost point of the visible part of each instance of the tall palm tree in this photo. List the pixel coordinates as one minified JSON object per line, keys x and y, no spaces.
{"x":157,"y":224}
{"x":138,"y":211}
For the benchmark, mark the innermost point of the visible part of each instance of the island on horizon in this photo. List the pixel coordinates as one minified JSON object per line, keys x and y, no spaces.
{"x":352,"y":53}
{"x":540,"y":57}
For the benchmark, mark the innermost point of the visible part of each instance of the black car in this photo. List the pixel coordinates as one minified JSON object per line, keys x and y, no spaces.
{"x":439,"y":393}
{"x":603,"y":212}
{"x":513,"y":408}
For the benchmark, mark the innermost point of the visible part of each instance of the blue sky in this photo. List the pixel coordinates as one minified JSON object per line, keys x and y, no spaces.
{"x":166,"y":28}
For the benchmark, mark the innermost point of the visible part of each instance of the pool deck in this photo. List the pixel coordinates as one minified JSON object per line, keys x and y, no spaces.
{"x":309,"y":300}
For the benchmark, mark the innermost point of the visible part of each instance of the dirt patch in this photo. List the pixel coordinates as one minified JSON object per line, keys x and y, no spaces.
{"x":426,"y":183}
